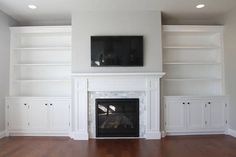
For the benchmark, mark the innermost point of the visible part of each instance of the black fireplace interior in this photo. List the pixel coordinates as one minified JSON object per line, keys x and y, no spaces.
{"x":117,"y":117}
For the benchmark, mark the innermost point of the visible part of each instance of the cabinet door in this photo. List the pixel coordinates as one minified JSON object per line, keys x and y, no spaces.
{"x":18,"y":116}
{"x":175,"y":116}
{"x":196,"y":115}
{"x":38,"y":115}
{"x":59,"y":116}
{"x":217,"y":114}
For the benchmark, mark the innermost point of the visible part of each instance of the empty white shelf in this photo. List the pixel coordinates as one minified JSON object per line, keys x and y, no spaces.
{"x":191,"y":63}
{"x":43,"y":48}
{"x":42,"y":64}
{"x":191,"y":47}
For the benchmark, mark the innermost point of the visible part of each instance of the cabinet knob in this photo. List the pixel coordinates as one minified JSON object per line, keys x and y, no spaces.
{"x":188,"y":102}
{"x":50,"y":104}
{"x":209,"y":102}
{"x":25,"y":104}
{"x":183,"y":102}
{"x":46,"y":104}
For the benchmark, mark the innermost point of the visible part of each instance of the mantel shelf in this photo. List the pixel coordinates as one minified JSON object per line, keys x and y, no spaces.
{"x":116,"y":74}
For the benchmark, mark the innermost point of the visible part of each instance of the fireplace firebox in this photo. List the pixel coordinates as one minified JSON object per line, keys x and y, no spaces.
{"x":117,"y":117}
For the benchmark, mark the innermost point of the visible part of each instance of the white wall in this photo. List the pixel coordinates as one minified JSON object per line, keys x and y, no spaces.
{"x":146,"y":23}
{"x":5,"y":22}
{"x":230,"y":66}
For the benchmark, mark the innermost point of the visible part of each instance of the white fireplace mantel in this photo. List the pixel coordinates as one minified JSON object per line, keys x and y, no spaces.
{"x":116,"y":74}
{"x":83,"y":83}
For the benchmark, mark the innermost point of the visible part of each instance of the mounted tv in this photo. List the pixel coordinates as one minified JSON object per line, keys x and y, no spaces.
{"x":116,"y":51}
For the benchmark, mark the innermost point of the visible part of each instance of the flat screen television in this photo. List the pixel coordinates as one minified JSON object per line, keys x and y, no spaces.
{"x":116,"y":51}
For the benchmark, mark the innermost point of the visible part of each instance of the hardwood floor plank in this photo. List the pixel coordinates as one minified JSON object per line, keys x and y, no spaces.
{"x":181,"y":146}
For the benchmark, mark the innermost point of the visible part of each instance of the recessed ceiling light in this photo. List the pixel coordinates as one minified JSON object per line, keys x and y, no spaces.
{"x":199,"y":6}
{"x":31,"y":6}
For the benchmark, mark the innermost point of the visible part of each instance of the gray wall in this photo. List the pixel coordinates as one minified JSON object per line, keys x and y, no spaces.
{"x":5,"y":22}
{"x":146,"y":23}
{"x":230,"y":67}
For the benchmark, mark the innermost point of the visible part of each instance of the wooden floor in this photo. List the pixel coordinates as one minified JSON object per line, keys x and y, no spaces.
{"x":184,"y":146}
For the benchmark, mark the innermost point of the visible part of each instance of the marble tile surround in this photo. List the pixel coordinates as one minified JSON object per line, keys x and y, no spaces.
{"x":133,"y":94}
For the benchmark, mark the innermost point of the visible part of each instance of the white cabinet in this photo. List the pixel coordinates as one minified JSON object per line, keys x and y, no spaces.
{"x":38,"y":115}
{"x":58,"y":115}
{"x":193,"y":87}
{"x":18,"y":116}
{"x":218,"y":114}
{"x":196,"y":115}
{"x":35,"y":116}
{"x":175,"y":115}
{"x":40,"y":81}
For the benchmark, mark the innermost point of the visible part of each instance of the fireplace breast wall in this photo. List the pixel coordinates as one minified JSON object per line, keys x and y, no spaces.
{"x":90,"y":86}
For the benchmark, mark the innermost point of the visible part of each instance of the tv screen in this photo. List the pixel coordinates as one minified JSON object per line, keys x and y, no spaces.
{"x":116,"y":51}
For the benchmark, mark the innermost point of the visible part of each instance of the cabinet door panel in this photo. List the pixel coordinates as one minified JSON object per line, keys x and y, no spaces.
{"x":174,"y":116}
{"x":39,"y":115}
{"x":59,"y":116}
{"x":217,"y":115}
{"x":18,"y":116}
{"x":196,"y":115}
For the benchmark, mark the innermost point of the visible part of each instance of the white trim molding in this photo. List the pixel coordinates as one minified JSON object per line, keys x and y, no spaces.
{"x":163,"y":134}
{"x":232,"y":132}
{"x":160,"y":75}
{"x":153,"y":134}
{"x":41,"y":29}
{"x":80,"y":135}
{"x":83,"y":83}
{"x":2,"y":134}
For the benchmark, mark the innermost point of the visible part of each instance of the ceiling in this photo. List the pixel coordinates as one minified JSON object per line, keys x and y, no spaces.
{"x":60,"y":10}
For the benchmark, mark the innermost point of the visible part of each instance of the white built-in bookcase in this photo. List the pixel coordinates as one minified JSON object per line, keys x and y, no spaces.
{"x":193,"y":60}
{"x":40,"y":61}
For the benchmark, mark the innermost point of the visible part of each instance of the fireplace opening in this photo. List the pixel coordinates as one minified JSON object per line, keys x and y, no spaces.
{"x":117,"y":117}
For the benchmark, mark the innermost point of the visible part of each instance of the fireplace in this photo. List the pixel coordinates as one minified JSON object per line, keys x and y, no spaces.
{"x":117,"y":117}
{"x":87,"y":87}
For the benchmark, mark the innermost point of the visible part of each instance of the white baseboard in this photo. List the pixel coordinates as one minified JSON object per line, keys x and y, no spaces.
{"x":37,"y":133}
{"x":153,"y":135}
{"x":116,"y":138}
{"x":231,"y":132}
{"x":195,"y":133}
{"x":2,"y":134}
{"x":163,"y":134}
{"x":79,"y":135}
